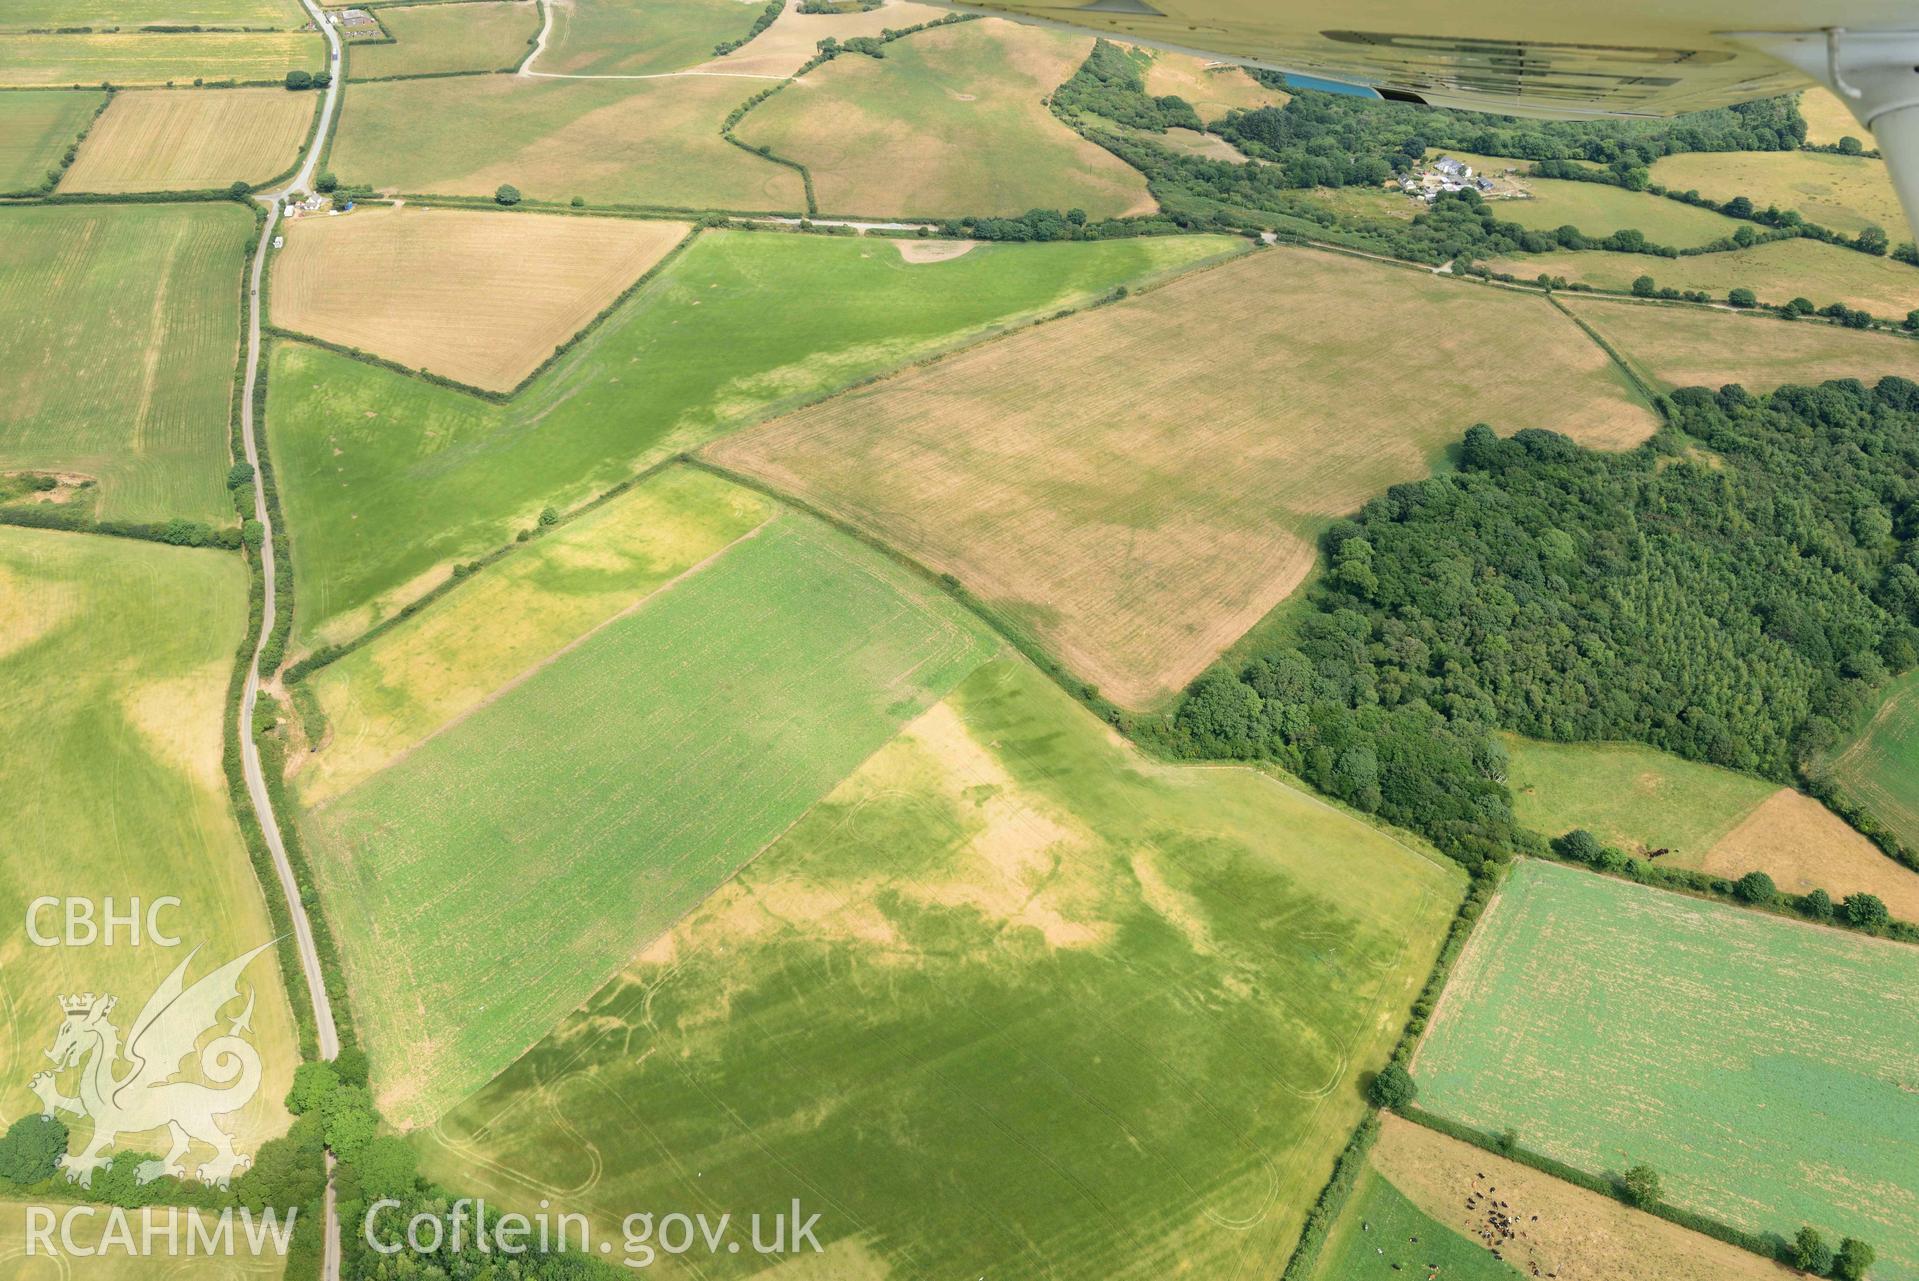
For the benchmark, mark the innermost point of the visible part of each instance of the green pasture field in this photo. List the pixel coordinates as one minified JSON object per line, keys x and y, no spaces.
{"x":500,"y":873}
{"x":114,"y":658}
{"x":36,"y":128}
{"x":1765,"y":1068}
{"x":952,"y":121}
{"x":384,"y":698}
{"x":22,"y":15}
{"x":1599,"y":210}
{"x":1879,"y":767}
{"x":432,"y":38}
{"x":1681,"y":346}
{"x":1845,"y":193}
{"x":1629,"y":796}
{"x":1011,"y":1001}
{"x":132,"y":58}
{"x":1776,"y":272}
{"x":1383,"y":1236}
{"x":642,"y":37}
{"x":654,"y":143}
{"x":119,"y":333}
{"x":386,"y":477}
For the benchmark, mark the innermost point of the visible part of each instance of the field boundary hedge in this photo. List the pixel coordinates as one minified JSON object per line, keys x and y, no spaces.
{"x":1767,"y":1245}
{"x":1653,"y":398}
{"x":53,"y":176}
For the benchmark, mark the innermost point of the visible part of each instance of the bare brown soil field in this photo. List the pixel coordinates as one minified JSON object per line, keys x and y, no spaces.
{"x":1212,"y":88}
{"x":1804,"y":846}
{"x":951,"y":121}
{"x":478,"y":297}
{"x":794,"y":37}
{"x":190,"y":139}
{"x":1567,"y":1231}
{"x":1697,"y":347}
{"x":1139,"y":484}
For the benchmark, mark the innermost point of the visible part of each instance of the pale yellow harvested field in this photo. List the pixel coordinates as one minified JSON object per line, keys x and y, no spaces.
{"x":1138,"y":485}
{"x":482,"y":298}
{"x":1845,"y":193}
{"x":1680,"y":346}
{"x":1576,"y":1236}
{"x":1213,"y":88}
{"x":1828,"y":120}
{"x":1804,"y":846}
{"x":191,"y":139}
{"x":794,"y":37}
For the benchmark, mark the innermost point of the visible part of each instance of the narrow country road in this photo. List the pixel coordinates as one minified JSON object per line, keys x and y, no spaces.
{"x":327,"y":1033}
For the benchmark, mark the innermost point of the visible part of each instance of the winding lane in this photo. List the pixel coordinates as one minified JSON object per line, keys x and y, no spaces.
{"x":326,"y":1031}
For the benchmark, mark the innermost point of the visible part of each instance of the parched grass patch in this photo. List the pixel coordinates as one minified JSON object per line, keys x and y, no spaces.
{"x":950,"y":122}
{"x":1764,"y":1067}
{"x":482,"y":298}
{"x":1011,"y":1001}
{"x":431,"y":39}
{"x":36,"y":128}
{"x":1213,"y":88}
{"x":114,"y":662}
{"x":640,"y":37}
{"x":382,"y":700}
{"x":1828,"y":120}
{"x":149,"y":58}
{"x":1776,"y":272}
{"x":119,"y":332}
{"x":654,"y":143}
{"x":191,"y":140}
{"x":1560,"y":1228}
{"x":1845,"y":193}
{"x":387,"y":478}
{"x":1599,"y":210}
{"x":1682,"y":346}
{"x":1139,"y":485}
{"x":1640,"y":799}
{"x":504,"y":870}
{"x":794,"y":37}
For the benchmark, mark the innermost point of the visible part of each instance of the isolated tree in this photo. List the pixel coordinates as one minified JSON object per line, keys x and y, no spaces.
{"x":299,"y":79}
{"x":1818,"y":905}
{"x":1872,"y":240}
{"x":1911,"y":321}
{"x":1744,"y":236}
{"x":1850,"y":146}
{"x":1743,"y":298}
{"x":1644,"y":287}
{"x":1799,"y":307}
{"x":1641,"y":1186}
{"x":238,"y":190}
{"x":326,"y":182}
{"x":1866,"y":910}
{"x":549,"y":517}
{"x":1855,"y":1259}
{"x":1810,"y":1253}
{"x":1582,"y":845}
{"x":578,"y":202}
{"x":1392,"y":1088}
{"x":1508,"y":1141}
{"x":1755,"y":887}
{"x":31,"y":1149}
{"x":508,"y":194}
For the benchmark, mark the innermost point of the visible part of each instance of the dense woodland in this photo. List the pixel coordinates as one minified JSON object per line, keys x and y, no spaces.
{"x":1732,"y":591}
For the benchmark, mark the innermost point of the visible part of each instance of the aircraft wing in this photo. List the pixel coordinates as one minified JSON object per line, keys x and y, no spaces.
{"x":1548,"y":57}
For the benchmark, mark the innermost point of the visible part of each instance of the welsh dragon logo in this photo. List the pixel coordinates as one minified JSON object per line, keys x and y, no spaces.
{"x":130,"y":1089}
